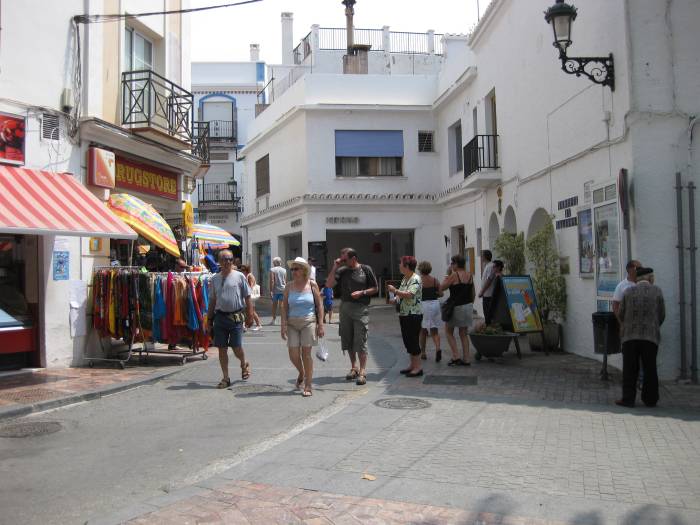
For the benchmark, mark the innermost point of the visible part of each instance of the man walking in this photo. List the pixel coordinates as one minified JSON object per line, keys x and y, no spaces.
{"x":641,"y":312}
{"x":230,"y":307}
{"x":355,"y":284}
{"x":278,"y":282}
{"x":624,"y":285}
{"x":487,"y":279}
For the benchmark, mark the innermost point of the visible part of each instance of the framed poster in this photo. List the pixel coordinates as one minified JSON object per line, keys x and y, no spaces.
{"x":12,"y":139}
{"x":61,"y":265}
{"x":522,"y":303}
{"x":607,"y":239}
{"x":586,"y":249}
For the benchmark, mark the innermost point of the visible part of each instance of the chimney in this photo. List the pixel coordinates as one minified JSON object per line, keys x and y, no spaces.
{"x":349,"y":12}
{"x":254,"y":52}
{"x":287,"y":39}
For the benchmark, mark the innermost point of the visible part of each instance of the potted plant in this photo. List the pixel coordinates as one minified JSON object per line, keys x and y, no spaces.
{"x":510,"y":248}
{"x":490,"y":340}
{"x":549,"y":284}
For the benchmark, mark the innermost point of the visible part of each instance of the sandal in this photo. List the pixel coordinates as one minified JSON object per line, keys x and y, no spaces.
{"x":462,"y":362}
{"x":361,"y":379}
{"x":224,"y":383}
{"x":438,"y":356}
{"x":352,"y":374}
{"x":454,"y":362}
{"x":245,"y":371}
{"x":307,"y":392}
{"x":300,"y":380}
{"x":423,"y":356}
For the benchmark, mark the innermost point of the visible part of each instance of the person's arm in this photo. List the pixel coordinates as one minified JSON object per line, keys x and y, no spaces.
{"x":272,"y":282}
{"x":447,"y":281}
{"x":318,"y":303}
{"x":330,"y":280}
{"x":661,"y":309}
{"x":440,"y":293}
{"x":212,"y":305}
{"x":284,"y":312}
{"x":485,"y":285}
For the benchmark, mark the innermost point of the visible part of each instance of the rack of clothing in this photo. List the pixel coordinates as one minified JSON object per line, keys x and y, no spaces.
{"x":134,"y":305}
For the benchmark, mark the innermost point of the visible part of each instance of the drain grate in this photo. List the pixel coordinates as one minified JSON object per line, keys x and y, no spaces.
{"x":35,"y":428}
{"x":450,"y":380}
{"x":255,"y":389}
{"x":402,"y":403}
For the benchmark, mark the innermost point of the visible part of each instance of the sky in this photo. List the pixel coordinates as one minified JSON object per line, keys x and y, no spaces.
{"x":225,"y":34}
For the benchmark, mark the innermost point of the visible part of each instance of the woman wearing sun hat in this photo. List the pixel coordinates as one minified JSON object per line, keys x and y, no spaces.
{"x":302,"y":320}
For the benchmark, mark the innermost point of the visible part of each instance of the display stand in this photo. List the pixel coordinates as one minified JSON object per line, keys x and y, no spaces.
{"x":514,"y":307}
{"x":137,"y":336}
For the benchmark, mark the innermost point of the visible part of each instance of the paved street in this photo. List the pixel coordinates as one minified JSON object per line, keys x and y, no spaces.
{"x":535,"y":441}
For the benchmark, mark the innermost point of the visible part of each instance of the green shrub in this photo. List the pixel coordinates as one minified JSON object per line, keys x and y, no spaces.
{"x":510,"y":248}
{"x":550,"y":285}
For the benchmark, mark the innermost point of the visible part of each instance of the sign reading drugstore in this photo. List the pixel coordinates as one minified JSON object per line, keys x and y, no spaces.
{"x":145,"y":178}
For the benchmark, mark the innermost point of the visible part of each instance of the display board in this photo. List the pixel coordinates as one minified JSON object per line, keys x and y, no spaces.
{"x":514,"y":304}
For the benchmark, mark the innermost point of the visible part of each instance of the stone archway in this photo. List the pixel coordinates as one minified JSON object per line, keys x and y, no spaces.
{"x":539,"y":218}
{"x":494,"y":230}
{"x":510,"y":224}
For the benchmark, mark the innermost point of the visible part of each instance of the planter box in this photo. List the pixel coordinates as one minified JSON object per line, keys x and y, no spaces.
{"x":490,"y":346}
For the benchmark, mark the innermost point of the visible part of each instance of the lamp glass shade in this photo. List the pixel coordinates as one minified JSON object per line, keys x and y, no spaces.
{"x":561,"y":25}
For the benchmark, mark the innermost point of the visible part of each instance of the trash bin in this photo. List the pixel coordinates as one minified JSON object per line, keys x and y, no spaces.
{"x":606,"y":333}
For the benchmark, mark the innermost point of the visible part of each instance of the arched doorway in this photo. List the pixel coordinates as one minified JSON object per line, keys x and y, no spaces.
{"x":539,"y":218}
{"x":509,"y":223}
{"x":494,"y":229}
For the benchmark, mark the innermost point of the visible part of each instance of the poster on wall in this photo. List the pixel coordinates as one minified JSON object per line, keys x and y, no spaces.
{"x":522,"y":303}
{"x":61,"y":266}
{"x":11,"y":139}
{"x":607,"y":241}
{"x":586,"y":248}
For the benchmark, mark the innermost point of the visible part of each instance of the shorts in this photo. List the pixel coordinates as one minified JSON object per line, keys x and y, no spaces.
{"x":301,"y":331}
{"x":431,"y":314}
{"x":277,"y":296}
{"x":327,"y":307}
{"x":462,"y":316}
{"x":227,"y":332}
{"x":354,"y":325}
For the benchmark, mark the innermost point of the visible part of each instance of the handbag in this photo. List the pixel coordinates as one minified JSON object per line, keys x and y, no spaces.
{"x":446,"y":310}
{"x":255,"y":292}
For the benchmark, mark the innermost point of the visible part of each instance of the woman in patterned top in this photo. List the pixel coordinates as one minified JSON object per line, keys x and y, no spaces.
{"x":410,"y":313}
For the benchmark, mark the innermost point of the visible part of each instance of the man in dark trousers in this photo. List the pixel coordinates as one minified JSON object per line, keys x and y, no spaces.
{"x":356,"y":283}
{"x":641,"y":314}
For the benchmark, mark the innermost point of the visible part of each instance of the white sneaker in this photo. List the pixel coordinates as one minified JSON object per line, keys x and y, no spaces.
{"x":255,"y":328}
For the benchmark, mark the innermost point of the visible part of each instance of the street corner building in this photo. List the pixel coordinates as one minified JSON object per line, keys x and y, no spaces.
{"x":435,"y":144}
{"x":89,"y":111}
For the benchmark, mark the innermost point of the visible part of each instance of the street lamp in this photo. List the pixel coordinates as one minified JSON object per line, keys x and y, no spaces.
{"x":600,"y":70}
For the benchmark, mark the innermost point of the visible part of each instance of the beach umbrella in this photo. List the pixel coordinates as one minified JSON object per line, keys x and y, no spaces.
{"x":145,"y":220}
{"x":213,"y":235}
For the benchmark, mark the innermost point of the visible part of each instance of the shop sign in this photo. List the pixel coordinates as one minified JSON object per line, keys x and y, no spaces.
{"x":101,"y":167}
{"x":187,"y":218}
{"x":342,"y":220}
{"x":11,"y":139}
{"x":146,"y":179}
{"x":295,"y":223}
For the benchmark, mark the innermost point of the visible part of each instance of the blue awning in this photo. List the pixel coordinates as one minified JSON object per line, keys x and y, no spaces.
{"x":368,"y":143}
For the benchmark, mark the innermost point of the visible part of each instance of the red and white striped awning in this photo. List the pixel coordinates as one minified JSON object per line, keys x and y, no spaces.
{"x":42,"y":202}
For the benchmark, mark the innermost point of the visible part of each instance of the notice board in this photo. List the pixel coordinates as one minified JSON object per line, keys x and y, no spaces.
{"x":515,"y":304}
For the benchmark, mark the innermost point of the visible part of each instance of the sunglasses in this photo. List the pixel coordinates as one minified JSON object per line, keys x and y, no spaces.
{"x":295,"y":268}
{"x":227,"y":259}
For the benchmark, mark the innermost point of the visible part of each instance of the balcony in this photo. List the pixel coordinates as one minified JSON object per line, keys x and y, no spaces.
{"x":222,"y":132}
{"x":155,"y":107}
{"x":218,"y":196}
{"x":481,"y":157}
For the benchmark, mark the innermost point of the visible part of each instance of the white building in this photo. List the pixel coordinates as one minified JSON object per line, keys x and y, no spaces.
{"x":488,"y":135}
{"x":126,"y":93}
{"x":226,"y":95}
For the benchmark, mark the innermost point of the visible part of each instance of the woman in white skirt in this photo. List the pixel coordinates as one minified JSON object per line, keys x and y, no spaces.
{"x":431,"y":311}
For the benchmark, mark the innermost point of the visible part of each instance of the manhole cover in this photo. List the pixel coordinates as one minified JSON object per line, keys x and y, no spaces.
{"x":23,"y":430}
{"x":402,"y":403}
{"x":449,"y":380}
{"x":256,"y":389}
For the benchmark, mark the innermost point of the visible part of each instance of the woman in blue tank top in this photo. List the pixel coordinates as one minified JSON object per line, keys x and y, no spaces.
{"x":302,"y":321}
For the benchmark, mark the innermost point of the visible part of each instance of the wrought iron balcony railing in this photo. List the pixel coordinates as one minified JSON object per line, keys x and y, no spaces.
{"x":222,"y":131}
{"x":481,"y":153}
{"x":218,"y":196}
{"x":154,"y":103}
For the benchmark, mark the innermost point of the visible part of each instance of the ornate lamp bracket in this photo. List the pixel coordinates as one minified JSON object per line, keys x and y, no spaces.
{"x":600,"y":70}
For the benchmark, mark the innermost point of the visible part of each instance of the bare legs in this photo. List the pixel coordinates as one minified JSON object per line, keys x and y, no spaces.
{"x":303,"y":361}
{"x":223,"y":359}
{"x":363,"y":361}
{"x":449,"y":332}
{"x":434,"y":335}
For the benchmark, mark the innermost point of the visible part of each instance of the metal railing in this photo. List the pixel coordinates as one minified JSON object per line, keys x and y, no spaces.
{"x":223,"y":131}
{"x":200,"y":141}
{"x":303,"y":50}
{"x":481,"y":153}
{"x":153,"y":101}
{"x":218,"y":195}
{"x":335,"y":39}
{"x":415,"y":43}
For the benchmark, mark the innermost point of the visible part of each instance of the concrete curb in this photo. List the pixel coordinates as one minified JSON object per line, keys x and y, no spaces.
{"x":23,"y":410}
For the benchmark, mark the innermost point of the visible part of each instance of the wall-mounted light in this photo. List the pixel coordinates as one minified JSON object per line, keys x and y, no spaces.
{"x":600,"y":70}
{"x":447,"y":241}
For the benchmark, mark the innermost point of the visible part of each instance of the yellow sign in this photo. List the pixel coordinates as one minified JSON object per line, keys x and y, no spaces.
{"x":187,"y":218}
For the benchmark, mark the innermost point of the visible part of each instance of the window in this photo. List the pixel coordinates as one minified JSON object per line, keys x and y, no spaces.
{"x":368,"y":153}
{"x":138,"y":51}
{"x":425,"y":142}
{"x":368,"y":166}
{"x":262,"y":176}
{"x":454,"y":137}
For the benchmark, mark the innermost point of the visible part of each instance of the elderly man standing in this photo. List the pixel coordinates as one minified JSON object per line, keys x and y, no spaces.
{"x":278,"y":282}
{"x":357,"y":284}
{"x":628,"y":282}
{"x":230,"y":307}
{"x":641,"y":313}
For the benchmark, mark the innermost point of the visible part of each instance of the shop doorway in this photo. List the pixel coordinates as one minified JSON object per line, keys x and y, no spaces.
{"x":261,"y":264}
{"x":290,"y":247}
{"x":379,"y":249}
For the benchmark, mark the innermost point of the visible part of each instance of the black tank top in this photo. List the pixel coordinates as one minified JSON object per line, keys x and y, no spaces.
{"x":459,"y":293}
{"x":431,"y":293}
